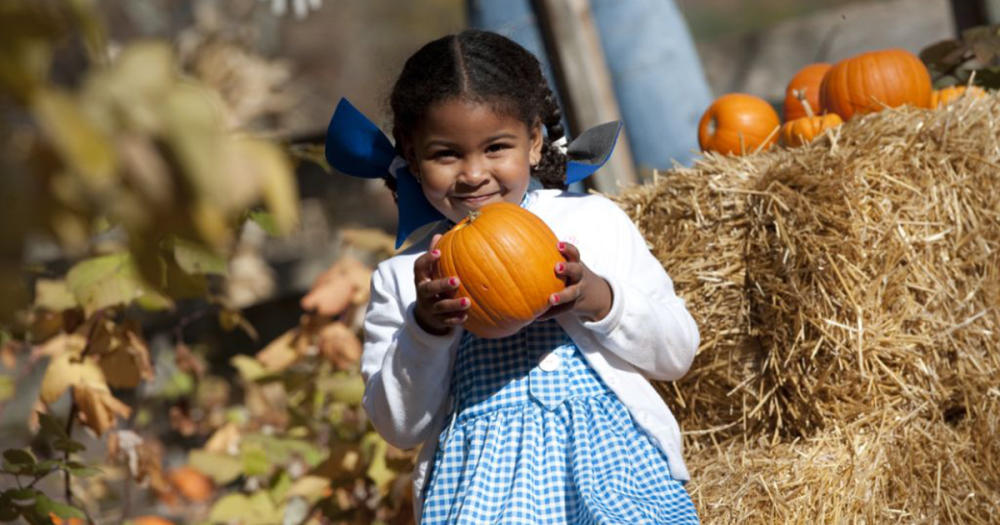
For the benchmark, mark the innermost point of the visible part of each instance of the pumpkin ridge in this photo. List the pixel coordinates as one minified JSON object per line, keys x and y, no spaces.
{"x":535,"y":284}
{"x":502,"y":247}
{"x":483,"y":275}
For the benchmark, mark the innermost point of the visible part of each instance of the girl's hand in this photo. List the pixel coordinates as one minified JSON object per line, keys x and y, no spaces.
{"x":586,"y":293}
{"x":437,"y":309}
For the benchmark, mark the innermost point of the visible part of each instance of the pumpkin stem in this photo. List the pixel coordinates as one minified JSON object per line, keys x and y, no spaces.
{"x":801,"y":95}
{"x":474,"y":214}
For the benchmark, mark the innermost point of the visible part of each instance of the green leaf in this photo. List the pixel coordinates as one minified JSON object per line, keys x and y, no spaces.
{"x":222,"y":468}
{"x":44,"y":505}
{"x":79,"y":469}
{"x":68,"y":445}
{"x":255,"y":460}
{"x":266,"y":221}
{"x":279,"y":487}
{"x":19,"y":456}
{"x":253,"y":510}
{"x":249,"y":368}
{"x":377,"y":471}
{"x":195,"y":258}
{"x":51,"y":426}
{"x":344,"y":387}
{"x":8,"y":511}
{"x":53,"y":295}
{"x":24,"y":496}
{"x":45,"y":467}
{"x":111,"y":280}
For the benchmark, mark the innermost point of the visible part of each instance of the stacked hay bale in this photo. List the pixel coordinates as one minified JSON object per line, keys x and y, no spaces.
{"x":848,"y":294}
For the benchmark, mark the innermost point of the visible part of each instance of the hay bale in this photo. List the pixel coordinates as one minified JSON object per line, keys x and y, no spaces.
{"x":696,"y":222}
{"x":874,"y":266}
{"x":848,"y":295}
{"x":891,"y":467}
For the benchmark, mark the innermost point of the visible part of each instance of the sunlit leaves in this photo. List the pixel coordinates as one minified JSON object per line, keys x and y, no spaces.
{"x":54,"y":295}
{"x":79,"y":142}
{"x":111,"y":280}
{"x":67,"y":369}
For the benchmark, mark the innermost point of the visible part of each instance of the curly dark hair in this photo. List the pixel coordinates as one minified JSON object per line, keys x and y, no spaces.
{"x":483,"y":67}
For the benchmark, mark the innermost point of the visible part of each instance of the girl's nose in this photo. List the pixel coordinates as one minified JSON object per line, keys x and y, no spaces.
{"x":473,"y":171}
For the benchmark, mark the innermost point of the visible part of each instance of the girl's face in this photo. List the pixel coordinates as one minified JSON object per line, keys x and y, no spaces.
{"x":466,"y":155}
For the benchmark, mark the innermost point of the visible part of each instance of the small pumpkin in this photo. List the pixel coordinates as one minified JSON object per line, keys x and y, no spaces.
{"x":868,"y":82}
{"x":191,"y":483}
{"x":803,"y":130}
{"x":151,"y":520}
{"x":737,"y":124}
{"x":807,"y":80}
{"x":944,"y":96}
{"x":505,"y":258}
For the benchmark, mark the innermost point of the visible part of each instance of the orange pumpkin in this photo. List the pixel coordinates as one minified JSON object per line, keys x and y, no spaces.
{"x":871,"y":81}
{"x":505,"y":258}
{"x":56,"y":520}
{"x":804,"y":129}
{"x":191,"y":483}
{"x":944,"y":96}
{"x":151,"y":520}
{"x":737,"y":124}
{"x":807,"y":80}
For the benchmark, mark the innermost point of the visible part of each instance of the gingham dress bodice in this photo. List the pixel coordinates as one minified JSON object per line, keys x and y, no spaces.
{"x":535,"y":436}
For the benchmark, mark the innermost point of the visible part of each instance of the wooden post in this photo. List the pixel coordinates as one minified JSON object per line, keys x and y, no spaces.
{"x":584,"y":82}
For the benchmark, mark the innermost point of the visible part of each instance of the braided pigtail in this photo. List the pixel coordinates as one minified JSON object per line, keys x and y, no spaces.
{"x":551,"y":169}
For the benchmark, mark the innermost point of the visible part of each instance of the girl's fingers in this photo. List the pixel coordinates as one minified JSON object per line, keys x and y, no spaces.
{"x":566,"y":296}
{"x":431,"y":288}
{"x":569,"y":251}
{"x":423,"y":267}
{"x":569,"y":272}
{"x":449,"y":307}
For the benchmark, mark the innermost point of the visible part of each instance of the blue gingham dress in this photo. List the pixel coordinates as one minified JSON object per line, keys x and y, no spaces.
{"x":536,"y":437}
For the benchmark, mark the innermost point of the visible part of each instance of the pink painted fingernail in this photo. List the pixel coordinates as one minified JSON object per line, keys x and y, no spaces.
{"x":560,"y":267}
{"x":453,"y":281}
{"x":435,"y":253}
{"x":562,"y":246}
{"x":465,"y":302}
{"x":554,"y":299}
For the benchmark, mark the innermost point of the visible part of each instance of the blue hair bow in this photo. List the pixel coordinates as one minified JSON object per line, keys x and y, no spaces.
{"x":355,"y":146}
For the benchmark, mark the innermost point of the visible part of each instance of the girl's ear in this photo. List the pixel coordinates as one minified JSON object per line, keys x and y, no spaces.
{"x":535,"y":137}
{"x":411,"y":160}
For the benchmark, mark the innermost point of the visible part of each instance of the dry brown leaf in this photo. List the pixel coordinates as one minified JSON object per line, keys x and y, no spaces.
{"x":280,"y":353}
{"x":97,"y":408}
{"x":339,"y":345}
{"x":189,"y":362}
{"x":127,"y":363}
{"x":346,"y":283}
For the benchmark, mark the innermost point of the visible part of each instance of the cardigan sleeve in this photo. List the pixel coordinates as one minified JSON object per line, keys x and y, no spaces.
{"x":406,"y":370}
{"x":648,"y":324}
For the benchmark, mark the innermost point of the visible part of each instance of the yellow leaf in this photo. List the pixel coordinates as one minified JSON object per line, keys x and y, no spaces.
{"x":309,"y":487}
{"x":97,"y":408}
{"x":82,"y":146}
{"x":275,"y":174}
{"x":225,"y":440}
{"x":66,"y":370}
{"x":53,"y":295}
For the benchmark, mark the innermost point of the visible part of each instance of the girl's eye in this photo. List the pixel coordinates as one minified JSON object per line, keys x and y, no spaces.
{"x":444,"y":154}
{"x":496,"y":147}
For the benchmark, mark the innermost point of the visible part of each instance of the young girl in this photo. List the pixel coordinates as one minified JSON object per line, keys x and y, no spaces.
{"x":555,"y":424}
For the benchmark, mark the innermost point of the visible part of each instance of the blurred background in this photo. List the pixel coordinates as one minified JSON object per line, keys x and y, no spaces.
{"x":277,"y":68}
{"x":353,"y":49}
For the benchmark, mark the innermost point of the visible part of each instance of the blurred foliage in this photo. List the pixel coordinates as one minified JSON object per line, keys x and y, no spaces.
{"x":135,"y":168}
{"x":975,"y":58}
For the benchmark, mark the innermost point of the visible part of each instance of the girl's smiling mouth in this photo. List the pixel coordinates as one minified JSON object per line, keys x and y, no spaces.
{"x":474,"y":200}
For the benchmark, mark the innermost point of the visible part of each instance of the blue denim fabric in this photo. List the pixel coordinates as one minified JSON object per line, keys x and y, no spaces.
{"x":657,"y":75}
